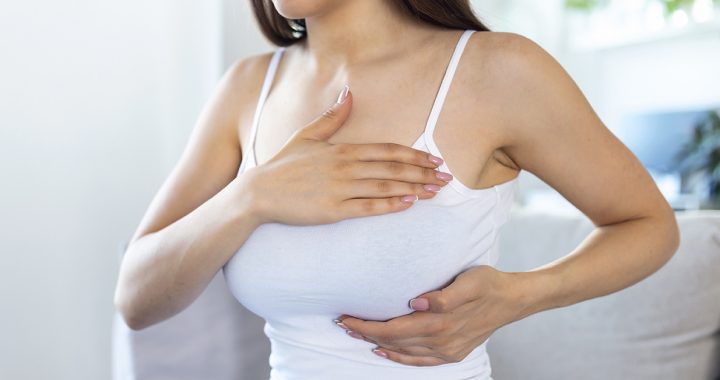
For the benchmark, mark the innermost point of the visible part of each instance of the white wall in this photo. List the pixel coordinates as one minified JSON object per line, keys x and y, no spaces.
{"x":241,"y":35}
{"x":97,"y":98}
{"x":670,"y":74}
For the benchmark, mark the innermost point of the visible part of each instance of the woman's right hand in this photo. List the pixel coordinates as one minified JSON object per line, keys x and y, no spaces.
{"x":310,"y":181}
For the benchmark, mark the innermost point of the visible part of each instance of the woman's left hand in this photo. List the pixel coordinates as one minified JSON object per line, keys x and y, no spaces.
{"x":455,"y":320}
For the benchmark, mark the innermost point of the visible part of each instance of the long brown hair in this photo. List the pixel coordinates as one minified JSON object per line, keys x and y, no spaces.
{"x":454,"y":14}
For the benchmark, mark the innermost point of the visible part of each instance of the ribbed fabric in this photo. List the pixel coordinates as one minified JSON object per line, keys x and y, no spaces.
{"x":299,"y":278}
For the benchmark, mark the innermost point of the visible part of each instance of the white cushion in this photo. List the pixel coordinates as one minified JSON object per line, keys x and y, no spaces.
{"x":215,"y":338}
{"x":667,"y":326}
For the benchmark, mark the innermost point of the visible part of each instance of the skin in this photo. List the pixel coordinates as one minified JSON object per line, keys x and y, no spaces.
{"x":511,"y":107}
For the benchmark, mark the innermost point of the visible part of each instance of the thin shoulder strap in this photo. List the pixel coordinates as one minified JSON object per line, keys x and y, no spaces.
{"x":269,"y":75}
{"x":442,"y":92}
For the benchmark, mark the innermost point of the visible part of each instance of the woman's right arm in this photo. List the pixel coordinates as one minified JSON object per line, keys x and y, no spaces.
{"x":199,"y":217}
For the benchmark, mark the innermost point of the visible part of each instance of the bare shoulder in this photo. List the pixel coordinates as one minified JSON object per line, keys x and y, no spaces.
{"x":243,"y":81}
{"x":498,"y":71}
{"x":248,"y":71}
{"x":520,"y":77}
{"x":508,"y":54}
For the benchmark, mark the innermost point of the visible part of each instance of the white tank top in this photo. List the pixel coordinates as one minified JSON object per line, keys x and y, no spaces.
{"x":300,"y":278}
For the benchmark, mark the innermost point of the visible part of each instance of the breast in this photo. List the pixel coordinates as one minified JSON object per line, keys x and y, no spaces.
{"x":368,"y":267}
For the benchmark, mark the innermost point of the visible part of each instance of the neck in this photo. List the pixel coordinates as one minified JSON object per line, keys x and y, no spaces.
{"x":359,"y":31}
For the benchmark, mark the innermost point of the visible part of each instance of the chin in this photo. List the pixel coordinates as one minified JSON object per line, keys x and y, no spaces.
{"x":298,"y":9}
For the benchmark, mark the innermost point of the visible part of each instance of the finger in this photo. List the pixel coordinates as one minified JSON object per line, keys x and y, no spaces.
{"x":421,"y":346}
{"x":463,"y":289}
{"x":389,"y":152}
{"x":408,"y":349}
{"x":418,"y":361}
{"x":360,"y":207}
{"x":398,"y":171}
{"x":330,"y":121}
{"x":408,"y":326}
{"x":381,"y":188}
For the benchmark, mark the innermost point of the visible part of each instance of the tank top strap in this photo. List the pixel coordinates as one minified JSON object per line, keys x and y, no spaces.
{"x":267,"y":83}
{"x":442,"y":93}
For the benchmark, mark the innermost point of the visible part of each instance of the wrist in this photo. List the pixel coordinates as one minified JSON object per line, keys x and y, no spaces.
{"x":534,"y":291}
{"x":247,"y":205}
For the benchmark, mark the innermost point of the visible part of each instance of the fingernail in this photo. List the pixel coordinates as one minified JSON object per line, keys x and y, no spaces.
{"x":444,"y":176}
{"x":420,"y":304}
{"x":354,"y":334}
{"x":409,"y":198}
{"x":338,"y":322}
{"x":379,"y":353}
{"x":343,"y":94}
{"x":435,"y":160}
{"x":433,"y":188}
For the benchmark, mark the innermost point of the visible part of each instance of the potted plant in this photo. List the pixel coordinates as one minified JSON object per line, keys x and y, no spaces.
{"x":702,"y":153}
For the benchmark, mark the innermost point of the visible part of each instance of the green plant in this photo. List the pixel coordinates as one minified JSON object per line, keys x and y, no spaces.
{"x":702,"y":152}
{"x":589,"y":5}
{"x":585,"y":5}
{"x":673,"y":5}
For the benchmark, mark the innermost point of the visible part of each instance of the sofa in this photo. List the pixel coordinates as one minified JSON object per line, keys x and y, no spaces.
{"x":666,"y":326}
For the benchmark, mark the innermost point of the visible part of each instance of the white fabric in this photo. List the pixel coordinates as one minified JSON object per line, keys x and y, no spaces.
{"x":299,"y":278}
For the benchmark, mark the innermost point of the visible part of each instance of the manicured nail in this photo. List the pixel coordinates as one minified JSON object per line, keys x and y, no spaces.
{"x":431,"y":187}
{"x":444,"y":176}
{"x":343,"y":94}
{"x":338,"y":322}
{"x":354,"y":334}
{"x":379,"y":353}
{"x":409,"y":198}
{"x":435,"y":160}
{"x":420,"y":304}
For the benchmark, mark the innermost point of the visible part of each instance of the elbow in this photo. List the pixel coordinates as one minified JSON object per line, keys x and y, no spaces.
{"x":129,"y":313}
{"x":671,"y":232}
{"x":125,"y":304}
{"x":675,"y":234}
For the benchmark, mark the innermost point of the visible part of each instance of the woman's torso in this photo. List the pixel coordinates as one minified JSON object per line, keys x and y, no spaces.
{"x":299,"y":278}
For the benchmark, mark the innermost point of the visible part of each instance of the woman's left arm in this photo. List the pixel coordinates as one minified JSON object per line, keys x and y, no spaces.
{"x":550,"y":130}
{"x":556,"y":135}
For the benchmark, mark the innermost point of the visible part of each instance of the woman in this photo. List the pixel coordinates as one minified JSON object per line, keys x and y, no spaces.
{"x":327,"y":229}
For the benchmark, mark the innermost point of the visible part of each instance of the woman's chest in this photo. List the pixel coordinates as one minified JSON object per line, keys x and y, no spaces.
{"x":383,"y":110}
{"x":369,"y":266}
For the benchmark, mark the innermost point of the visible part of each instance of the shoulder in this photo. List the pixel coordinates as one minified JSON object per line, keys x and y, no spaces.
{"x":246,"y":74}
{"x":250,"y":64}
{"x":500,"y":66}
{"x":509,"y":57}
{"x":239,"y":87}
{"x":517,"y":75}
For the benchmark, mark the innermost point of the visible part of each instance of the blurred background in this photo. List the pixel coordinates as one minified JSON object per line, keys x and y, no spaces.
{"x":98,"y":98}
